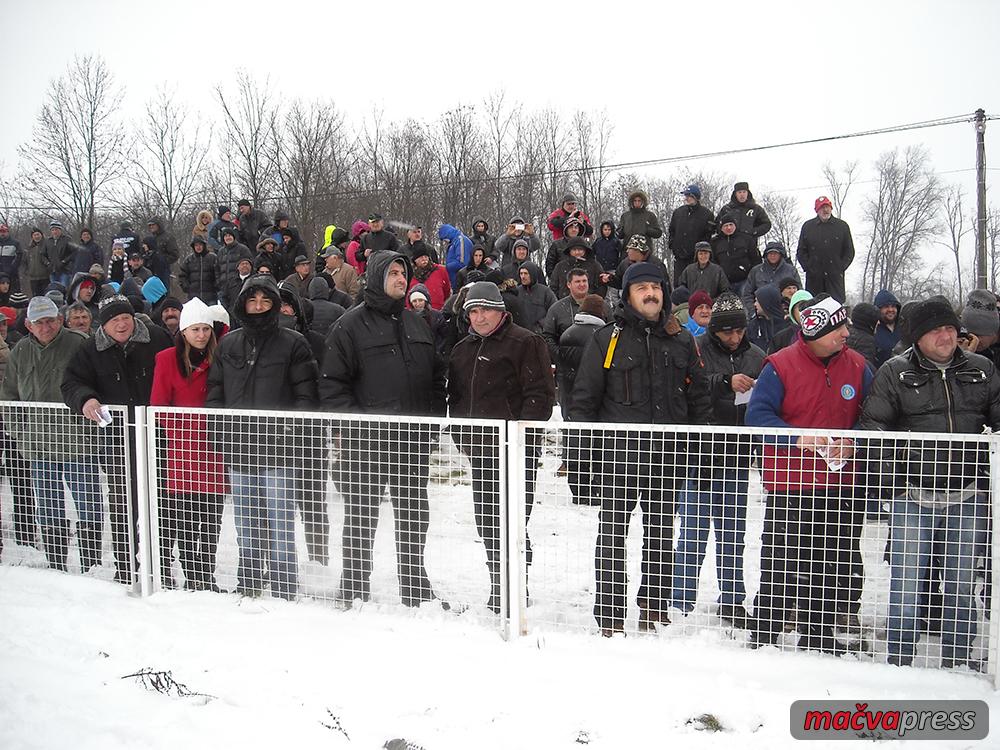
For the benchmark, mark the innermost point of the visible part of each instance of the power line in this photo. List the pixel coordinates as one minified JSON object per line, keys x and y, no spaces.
{"x":616,"y":167}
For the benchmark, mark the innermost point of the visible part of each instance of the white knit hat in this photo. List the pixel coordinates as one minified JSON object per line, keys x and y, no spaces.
{"x":219,"y":313}
{"x":195,"y":311}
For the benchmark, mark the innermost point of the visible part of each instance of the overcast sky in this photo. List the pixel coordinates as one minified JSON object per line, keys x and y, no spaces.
{"x":676,"y":78}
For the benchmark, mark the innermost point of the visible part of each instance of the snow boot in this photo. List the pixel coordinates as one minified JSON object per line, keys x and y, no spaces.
{"x":89,"y":542}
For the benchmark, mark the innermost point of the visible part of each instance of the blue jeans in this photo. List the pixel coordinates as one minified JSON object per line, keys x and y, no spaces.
{"x":61,"y":278}
{"x":264,"y":508}
{"x":962,"y":530}
{"x":84,"y":485}
{"x":721,"y":500}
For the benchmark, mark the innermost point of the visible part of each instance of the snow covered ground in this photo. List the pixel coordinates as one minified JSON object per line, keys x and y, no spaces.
{"x":305,"y":674}
{"x":278,"y":672}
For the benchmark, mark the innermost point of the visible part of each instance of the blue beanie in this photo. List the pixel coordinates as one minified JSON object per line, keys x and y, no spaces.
{"x":154,"y":290}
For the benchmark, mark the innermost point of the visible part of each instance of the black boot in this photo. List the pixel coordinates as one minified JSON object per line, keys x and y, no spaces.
{"x":89,"y":542}
{"x":56,"y":541}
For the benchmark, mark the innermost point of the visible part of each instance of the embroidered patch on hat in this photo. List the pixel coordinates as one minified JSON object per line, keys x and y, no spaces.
{"x":814,"y":319}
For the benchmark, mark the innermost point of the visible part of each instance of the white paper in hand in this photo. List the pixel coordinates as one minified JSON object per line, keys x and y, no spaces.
{"x":743,"y":398}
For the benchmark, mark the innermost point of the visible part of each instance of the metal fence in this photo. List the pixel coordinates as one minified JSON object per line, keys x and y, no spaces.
{"x":877,"y":546}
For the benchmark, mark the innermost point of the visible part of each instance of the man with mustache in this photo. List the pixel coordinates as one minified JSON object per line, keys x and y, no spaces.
{"x":642,"y":368}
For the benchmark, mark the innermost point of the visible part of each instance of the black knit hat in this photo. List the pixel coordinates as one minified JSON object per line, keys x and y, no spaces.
{"x":823,"y":315}
{"x":728,"y":313}
{"x":787,"y":281}
{"x":484,"y":294}
{"x":932,"y":313}
{"x":112,"y":306}
{"x":864,"y":316}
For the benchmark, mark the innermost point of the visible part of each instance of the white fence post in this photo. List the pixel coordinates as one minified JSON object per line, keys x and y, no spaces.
{"x":149,"y":560}
{"x":514,"y":550}
{"x":993,"y":646}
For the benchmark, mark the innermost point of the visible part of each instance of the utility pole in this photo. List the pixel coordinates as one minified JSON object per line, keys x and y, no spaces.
{"x":981,"y":275}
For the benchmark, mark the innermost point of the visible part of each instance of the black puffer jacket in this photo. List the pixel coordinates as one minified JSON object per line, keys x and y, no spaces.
{"x":720,"y":366}
{"x":166,"y":250}
{"x":750,"y":217}
{"x":199,"y":274}
{"x":689,"y":225}
{"x":111,"y":373}
{"x":588,"y":263}
{"x":570,"y":351}
{"x":229,"y":259}
{"x":325,"y":312}
{"x":912,"y":394}
{"x":380,"y":356}
{"x":736,"y":253}
{"x":251,"y":226}
{"x":639,"y":220}
{"x":260,"y":366}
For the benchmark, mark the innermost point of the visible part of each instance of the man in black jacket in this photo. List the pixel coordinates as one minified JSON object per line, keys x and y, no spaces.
{"x":381,"y":359}
{"x":59,"y":253}
{"x":115,"y":366}
{"x":643,"y":368}
{"x":199,"y":272}
{"x":689,"y":224}
{"x":751,"y":219}
{"x":262,"y":365}
{"x":825,"y":251}
{"x":942,"y":486}
{"x":164,"y":253}
{"x":717,"y":490}
{"x":251,"y":222}
{"x":378,"y":238}
{"x":735,"y":251}
{"x":498,"y":371}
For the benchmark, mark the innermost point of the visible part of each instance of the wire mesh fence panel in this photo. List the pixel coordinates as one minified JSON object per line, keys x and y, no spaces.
{"x":365,"y":511}
{"x":69,"y":500}
{"x":875,"y":546}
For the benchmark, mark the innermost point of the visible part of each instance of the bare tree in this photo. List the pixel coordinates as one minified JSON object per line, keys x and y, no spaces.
{"x":456,"y":142}
{"x":501,"y":122}
{"x":786,"y":221}
{"x":79,"y":147}
{"x":249,"y":116}
{"x":840,"y":183}
{"x":591,"y":144}
{"x":902,"y":215}
{"x":992,"y":247}
{"x":174,"y":147}
{"x":955,"y":228}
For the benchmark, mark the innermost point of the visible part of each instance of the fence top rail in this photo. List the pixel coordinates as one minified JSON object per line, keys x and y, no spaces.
{"x":55,"y":406}
{"x":335,"y":417}
{"x":682,"y":431}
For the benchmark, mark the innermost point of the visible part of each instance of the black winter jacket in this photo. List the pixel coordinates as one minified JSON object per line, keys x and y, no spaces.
{"x":688,"y":226}
{"x":229,"y":260}
{"x":737,"y":254}
{"x":711,"y":279}
{"x":826,"y":248}
{"x":380,"y":356}
{"x":911,"y":394}
{"x":750,"y":217}
{"x":639,"y":221}
{"x":251,"y":226}
{"x":199,"y":276}
{"x":569,"y":352}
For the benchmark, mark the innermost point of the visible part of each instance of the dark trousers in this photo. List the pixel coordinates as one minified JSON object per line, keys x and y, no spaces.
{"x":193,"y":522}
{"x":831,"y":284}
{"x":38,"y":287}
{"x":810,"y":561}
{"x":403,"y":466}
{"x":679,"y":265}
{"x":651,"y":485}
{"x":311,"y":500}
{"x":17,"y":469}
{"x":119,"y":467}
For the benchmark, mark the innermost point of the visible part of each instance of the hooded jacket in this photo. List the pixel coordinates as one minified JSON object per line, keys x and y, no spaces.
{"x":87,"y":254}
{"x":736,"y":253}
{"x":609,"y":251}
{"x":764,"y":273}
{"x":165,"y":250}
{"x":251,"y":226}
{"x":504,"y":245}
{"x":864,"y":317}
{"x":762,"y":330}
{"x":886,"y":339}
{"x":639,"y":221}
{"x":260,"y":366}
{"x":459,"y":249}
{"x":569,"y":351}
{"x":11,"y":257}
{"x":557,"y":220}
{"x":588,"y":263}
{"x":486,"y":240}
{"x":750,"y":217}
{"x":325,"y":312}
{"x":201,"y":224}
{"x":73,"y":290}
{"x":536,"y":299}
{"x":199,"y":274}
{"x":334,"y":235}
{"x":380,"y":357}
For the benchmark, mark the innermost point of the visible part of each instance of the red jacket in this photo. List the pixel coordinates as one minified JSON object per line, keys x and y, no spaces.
{"x":556,"y":227}
{"x":192,"y":465}
{"x":815,"y":395}
{"x":438,"y":284}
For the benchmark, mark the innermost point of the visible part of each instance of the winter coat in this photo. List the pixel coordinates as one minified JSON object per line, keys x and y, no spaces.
{"x":437,"y":283}
{"x":886,"y":339}
{"x":260,"y":366}
{"x":762,"y":330}
{"x":11,"y":257}
{"x":616,"y":278}
{"x":688,"y":226}
{"x":826,"y":248}
{"x":459,"y":250}
{"x":201,"y":229}
{"x":72,"y":294}
{"x":35,"y":373}
{"x":639,"y":221}
{"x":536,"y":299}
{"x":376,"y":241}
{"x":558,"y":319}
{"x":215,"y":233}
{"x":229,"y":259}
{"x":380,"y":356}
{"x":737,"y":254}
{"x":111,"y":373}
{"x":199,"y":276}
{"x":609,"y":251}
{"x":588,"y":263}
{"x":462,"y":277}
{"x":506,"y":375}
{"x":251,"y":226}
{"x":711,"y":279}
{"x":38,"y":263}
{"x":504,"y":247}
{"x":300,"y":285}
{"x":117,"y":268}
{"x":764,"y":273}
{"x":911,"y":394}
{"x":325,"y":312}
{"x":569,"y":352}
{"x":59,"y":254}
{"x":557,"y":220}
{"x":750,"y":217}
{"x":346,"y":280}
{"x":166,"y":250}
{"x":192,"y":464}
{"x":128,"y":239}
{"x":87,"y":254}
{"x":485,"y":240}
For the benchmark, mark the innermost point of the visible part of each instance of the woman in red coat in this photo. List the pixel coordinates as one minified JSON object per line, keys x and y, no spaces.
{"x":195,"y":483}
